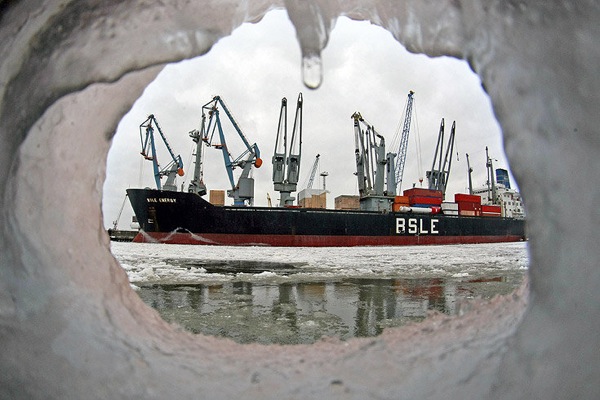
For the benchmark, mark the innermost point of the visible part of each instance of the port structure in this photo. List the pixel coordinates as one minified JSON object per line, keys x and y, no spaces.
{"x":175,"y":166}
{"x":376,"y":177}
{"x":287,"y":155}
{"x":197,"y":184}
{"x":241,"y":191}
{"x":403,"y":148}
{"x":437,"y":178}
{"x":313,"y":172}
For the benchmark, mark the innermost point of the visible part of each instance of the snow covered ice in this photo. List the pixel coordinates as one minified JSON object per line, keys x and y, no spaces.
{"x":298,"y":295}
{"x":176,"y":264}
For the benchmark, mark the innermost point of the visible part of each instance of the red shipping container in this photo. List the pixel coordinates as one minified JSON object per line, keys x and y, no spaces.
{"x":466,"y":206}
{"x":470,"y":209}
{"x":467,"y":198}
{"x":423,"y":193}
{"x":491,"y":211}
{"x":434,"y":201}
{"x":401,"y":200}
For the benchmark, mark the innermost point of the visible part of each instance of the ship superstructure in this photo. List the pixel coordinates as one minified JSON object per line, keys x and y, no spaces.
{"x":497,"y":191}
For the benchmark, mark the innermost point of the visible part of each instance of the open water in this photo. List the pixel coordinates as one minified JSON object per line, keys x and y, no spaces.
{"x":298,"y":295}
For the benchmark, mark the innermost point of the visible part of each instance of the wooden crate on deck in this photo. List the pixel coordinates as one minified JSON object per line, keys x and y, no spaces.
{"x":216,"y":197}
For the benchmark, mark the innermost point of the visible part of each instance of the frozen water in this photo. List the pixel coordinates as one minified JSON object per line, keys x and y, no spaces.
{"x":298,"y":295}
{"x":178,"y":264}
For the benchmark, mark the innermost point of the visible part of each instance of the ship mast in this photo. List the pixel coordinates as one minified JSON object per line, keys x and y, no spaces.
{"x":469,"y":171}
{"x":491,"y":178}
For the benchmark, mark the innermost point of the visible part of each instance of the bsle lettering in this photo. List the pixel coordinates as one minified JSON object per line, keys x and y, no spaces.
{"x":417,"y":226}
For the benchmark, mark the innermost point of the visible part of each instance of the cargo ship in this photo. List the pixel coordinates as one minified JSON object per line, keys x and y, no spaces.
{"x":419,"y":216}
{"x":186,"y":218}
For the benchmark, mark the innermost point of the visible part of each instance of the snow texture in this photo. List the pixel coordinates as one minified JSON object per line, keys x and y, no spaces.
{"x":72,"y":327}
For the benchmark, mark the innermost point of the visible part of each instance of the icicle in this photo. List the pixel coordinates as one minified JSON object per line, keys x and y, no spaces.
{"x":312,"y":71}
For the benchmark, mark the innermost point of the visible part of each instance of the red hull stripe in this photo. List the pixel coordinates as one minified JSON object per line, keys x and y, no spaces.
{"x":313,"y":240}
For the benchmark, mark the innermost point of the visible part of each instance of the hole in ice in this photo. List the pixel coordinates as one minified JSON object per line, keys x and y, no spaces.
{"x":364,"y":70}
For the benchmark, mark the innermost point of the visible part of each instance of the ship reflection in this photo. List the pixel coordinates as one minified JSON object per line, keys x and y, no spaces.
{"x":304,"y":312}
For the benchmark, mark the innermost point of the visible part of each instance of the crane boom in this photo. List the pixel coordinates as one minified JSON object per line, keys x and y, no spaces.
{"x":401,"y":159}
{"x":173,"y":168}
{"x":313,"y":172}
{"x":242,"y":192}
{"x":116,"y":221}
{"x":197,"y":183}
{"x":438,"y":176}
{"x":370,"y":158}
{"x":280,"y":152}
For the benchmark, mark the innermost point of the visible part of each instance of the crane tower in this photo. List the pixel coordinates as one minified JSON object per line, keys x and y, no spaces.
{"x":401,"y":159}
{"x":286,"y":156}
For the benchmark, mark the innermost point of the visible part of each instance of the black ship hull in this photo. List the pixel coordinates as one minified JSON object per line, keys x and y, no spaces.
{"x":186,"y":218}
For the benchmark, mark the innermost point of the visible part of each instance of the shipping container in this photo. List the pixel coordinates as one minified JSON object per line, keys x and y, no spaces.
{"x":347,"y":202}
{"x":216,"y":197}
{"x":467,"y":213}
{"x":434,"y":201}
{"x":314,"y":201}
{"x":491,"y":211}
{"x":449,"y":206}
{"x":401,"y":200}
{"x":424,"y":193}
{"x":467,"y":198}
{"x":466,"y":206}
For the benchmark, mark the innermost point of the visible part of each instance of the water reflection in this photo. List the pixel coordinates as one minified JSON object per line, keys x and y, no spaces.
{"x":303,"y":312}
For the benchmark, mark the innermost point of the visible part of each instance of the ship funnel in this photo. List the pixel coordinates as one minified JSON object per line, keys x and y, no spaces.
{"x":502,"y":177}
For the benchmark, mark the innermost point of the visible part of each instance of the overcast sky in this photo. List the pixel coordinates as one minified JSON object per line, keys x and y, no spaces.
{"x":365,"y":70}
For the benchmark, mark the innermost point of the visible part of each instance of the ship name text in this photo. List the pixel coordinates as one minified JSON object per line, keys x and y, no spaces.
{"x":417,"y":226}
{"x":161,"y":200}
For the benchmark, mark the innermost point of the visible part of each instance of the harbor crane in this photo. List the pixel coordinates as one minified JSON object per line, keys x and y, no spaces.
{"x":286,"y":156}
{"x":242,"y":192}
{"x":197,"y":184}
{"x":116,"y":221}
{"x":173,"y":169}
{"x":401,"y":155}
{"x":373,"y":167}
{"x":369,"y":150}
{"x":313,"y":172}
{"x":437,"y":178}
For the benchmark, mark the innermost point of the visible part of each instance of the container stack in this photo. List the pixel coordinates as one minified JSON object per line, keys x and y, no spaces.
{"x":468,"y":204}
{"x":400,"y":201}
{"x":424,"y":198}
